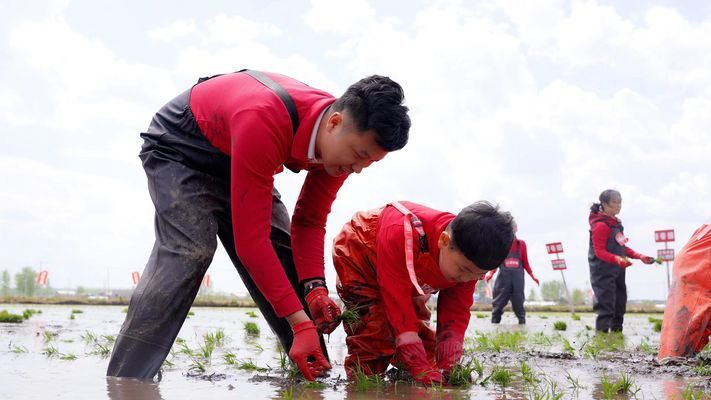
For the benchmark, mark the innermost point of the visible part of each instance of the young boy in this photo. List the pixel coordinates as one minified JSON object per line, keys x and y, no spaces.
{"x":391,"y":260}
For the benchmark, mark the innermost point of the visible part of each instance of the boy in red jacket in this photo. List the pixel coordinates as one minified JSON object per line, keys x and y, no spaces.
{"x":391,"y":260}
{"x":210,"y":156}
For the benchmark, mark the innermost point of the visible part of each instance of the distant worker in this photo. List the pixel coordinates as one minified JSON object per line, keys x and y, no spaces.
{"x":509,"y":284}
{"x":687,"y":315}
{"x":608,"y":257}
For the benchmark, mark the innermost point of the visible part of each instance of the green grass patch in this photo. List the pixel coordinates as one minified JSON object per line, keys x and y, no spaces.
{"x":560,"y":325}
{"x":8,"y":317}
{"x":77,"y":311}
{"x":481,"y":316}
{"x":251,"y":328}
{"x":251,"y":314}
{"x":30,"y":312}
{"x":575,"y":317}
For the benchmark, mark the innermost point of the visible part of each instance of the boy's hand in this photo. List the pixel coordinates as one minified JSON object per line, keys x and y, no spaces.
{"x":536,"y":280}
{"x":489,"y":275}
{"x":623,"y":262}
{"x":307,"y":346}
{"x":448,"y":353}
{"x":323,"y":310}
{"x":414,"y":357}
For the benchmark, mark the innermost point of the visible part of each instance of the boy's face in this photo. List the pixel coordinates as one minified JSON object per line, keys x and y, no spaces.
{"x":343,"y":149}
{"x":454,"y":265}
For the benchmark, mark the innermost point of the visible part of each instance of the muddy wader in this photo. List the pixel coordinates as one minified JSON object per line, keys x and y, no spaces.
{"x":608,"y":283}
{"x":509,"y":285}
{"x":189,"y":183}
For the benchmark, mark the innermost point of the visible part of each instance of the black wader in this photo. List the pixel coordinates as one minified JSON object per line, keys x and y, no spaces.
{"x":189,"y":183}
{"x":608,"y":283}
{"x":509,"y":285}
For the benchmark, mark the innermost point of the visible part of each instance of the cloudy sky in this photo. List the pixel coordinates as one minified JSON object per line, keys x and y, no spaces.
{"x":538,"y":108}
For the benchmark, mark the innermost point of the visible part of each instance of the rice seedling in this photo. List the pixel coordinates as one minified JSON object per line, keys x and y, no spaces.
{"x":109,"y":338}
{"x":48,"y":336}
{"x":575,"y":317}
{"x":657,"y":327}
{"x":501,"y":376}
{"x":124,"y":310}
{"x":574,"y":382}
{"x":207,"y":347}
{"x":77,"y":311}
{"x":217,"y":339}
{"x":283,"y":358}
{"x":625,"y":384}
{"x":191,"y":313}
{"x":251,"y":314}
{"x":543,"y":316}
{"x":249,"y":365}
{"x":8,"y":317}
{"x":692,"y":393}
{"x":72,"y":316}
{"x":50,"y":351}
{"x":101,"y":349}
{"x":197,"y":366}
{"x":560,"y":325}
{"x":168,"y":364}
{"x":68,"y":357}
{"x":481,"y":316}
{"x":540,"y":339}
{"x":251,"y":328}
{"x":288,"y":394}
{"x":588,"y":327}
{"x":256,"y":347}
{"x":30,"y":312}
{"x":495,"y":341}
{"x":703,"y":369}
{"x":314,"y":385}
{"x":567,"y":347}
{"x":19,"y":349}
{"x":364,"y":382}
{"x":183,"y":348}
{"x":529,"y":377}
{"x":609,"y":389}
{"x":461,"y":372}
{"x":646,"y":347}
{"x":230,"y":358}
{"x":88,"y":337}
{"x":350,"y":316}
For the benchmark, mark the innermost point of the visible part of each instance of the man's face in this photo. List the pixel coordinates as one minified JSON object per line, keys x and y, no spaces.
{"x":453,"y":264}
{"x":343,"y":149}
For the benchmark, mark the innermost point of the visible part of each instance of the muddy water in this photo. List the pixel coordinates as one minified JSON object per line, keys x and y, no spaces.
{"x":37,"y":361}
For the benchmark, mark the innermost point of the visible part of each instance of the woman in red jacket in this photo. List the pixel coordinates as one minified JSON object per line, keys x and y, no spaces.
{"x":608,"y":257}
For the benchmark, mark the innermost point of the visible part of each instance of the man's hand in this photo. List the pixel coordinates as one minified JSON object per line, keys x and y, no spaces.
{"x":307,"y":346}
{"x":536,"y":280}
{"x":489,"y":275}
{"x":323,"y":310}
{"x":623,"y":262}
{"x":414,"y":357}
{"x":448,"y":353}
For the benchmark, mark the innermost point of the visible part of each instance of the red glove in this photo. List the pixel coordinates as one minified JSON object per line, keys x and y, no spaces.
{"x":448,"y":353}
{"x":489,"y":275}
{"x":323,"y":310}
{"x":647,"y":259}
{"x":415,"y":359}
{"x":307,"y":345}
{"x":623,"y":262}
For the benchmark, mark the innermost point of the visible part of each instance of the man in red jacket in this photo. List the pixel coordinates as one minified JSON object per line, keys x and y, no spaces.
{"x":391,"y":260}
{"x":210,"y":155}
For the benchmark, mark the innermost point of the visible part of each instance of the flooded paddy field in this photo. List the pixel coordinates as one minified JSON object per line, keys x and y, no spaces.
{"x":230,"y":353}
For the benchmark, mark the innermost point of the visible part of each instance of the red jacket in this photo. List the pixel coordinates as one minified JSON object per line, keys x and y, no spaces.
{"x":523,"y":251}
{"x":246,"y":120}
{"x":600,"y":227}
{"x":454,"y":300}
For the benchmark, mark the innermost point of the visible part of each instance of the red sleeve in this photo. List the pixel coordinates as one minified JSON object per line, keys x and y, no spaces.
{"x":453,"y":311}
{"x":395,"y":287}
{"x":632,"y":254}
{"x":257,"y":151}
{"x":308,"y":225}
{"x":524,"y":258}
{"x":600,"y":235}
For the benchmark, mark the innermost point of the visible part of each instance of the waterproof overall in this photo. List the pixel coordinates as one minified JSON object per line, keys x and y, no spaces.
{"x":509,"y":285}
{"x":189,"y":183}
{"x":687,"y":315}
{"x":371,"y":341}
{"x":608,"y":283}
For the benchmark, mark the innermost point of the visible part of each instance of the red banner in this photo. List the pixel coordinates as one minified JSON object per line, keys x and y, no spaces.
{"x":42,"y":278}
{"x":559,"y":264}
{"x":666,"y":235}
{"x":554,"y":248}
{"x":666,"y":254}
{"x":206,"y":282}
{"x":136,"y":277}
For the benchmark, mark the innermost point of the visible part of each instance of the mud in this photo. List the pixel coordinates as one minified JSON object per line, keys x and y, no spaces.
{"x":34,"y":362}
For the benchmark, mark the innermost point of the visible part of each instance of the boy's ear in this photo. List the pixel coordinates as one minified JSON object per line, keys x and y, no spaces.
{"x":445,"y":240}
{"x":335,"y":119}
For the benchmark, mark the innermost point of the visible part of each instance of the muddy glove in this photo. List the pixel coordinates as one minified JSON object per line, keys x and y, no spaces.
{"x":448,"y":353}
{"x":412,"y":354}
{"x":623,"y":262}
{"x":323,"y":310}
{"x":647,"y":259}
{"x":306,"y":350}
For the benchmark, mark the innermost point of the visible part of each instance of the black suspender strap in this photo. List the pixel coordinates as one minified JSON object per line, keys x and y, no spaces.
{"x":281,"y":92}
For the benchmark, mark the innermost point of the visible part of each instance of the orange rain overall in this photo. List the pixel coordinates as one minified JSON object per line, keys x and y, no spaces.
{"x":687,"y":316}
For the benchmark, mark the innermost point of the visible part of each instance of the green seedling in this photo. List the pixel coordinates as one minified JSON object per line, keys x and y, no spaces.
{"x":197,"y":366}
{"x":251,"y":328}
{"x":230,"y":358}
{"x":574,"y":382}
{"x":68,"y":357}
{"x":30,"y":312}
{"x":251,"y":314}
{"x":124,"y":310}
{"x":288,"y":394}
{"x":588,"y":327}
{"x":217,"y":339}
{"x":101,"y":349}
{"x":540,"y":339}
{"x":480,"y":315}
{"x":657,"y":326}
{"x":7,"y":317}
{"x":495,"y":341}
{"x":88,"y":337}
{"x":529,"y":377}
{"x":659,"y":260}
{"x":109,"y":338}
{"x":190,"y":313}
{"x":692,"y":393}
{"x":19,"y":349}
{"x":501,"y":376}
{"x":256,"y":347}
{"x":560,"y":325}
{"x":703,"y":370}
{"x":168,"y":364}
{"x":71,"y":316}
{"x":283,"y":359}
{"x":314,"y":385}
{"x":461,"y":372}
{"x":567,"y":347}
{"x":543,"y":316}
{"x":48,"y":336}
{"x":575,"y":317}
{"x":364,"y":382}
{"x":50,"y":351}
{"x":207,"y":347}
{"x":251,"y":366}
{"x":646,"y":347}
{"x":75,"y":311}
{"x":350,"y":316}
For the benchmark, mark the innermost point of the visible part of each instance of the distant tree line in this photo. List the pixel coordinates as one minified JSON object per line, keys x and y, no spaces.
{"x":25,"y":284}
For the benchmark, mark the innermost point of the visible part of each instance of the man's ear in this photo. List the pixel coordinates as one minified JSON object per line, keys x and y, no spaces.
{"x":335,"y":119}
{"x":445,"y":240}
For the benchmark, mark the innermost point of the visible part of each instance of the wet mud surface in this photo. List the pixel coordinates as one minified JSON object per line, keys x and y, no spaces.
{"x":53,"y":354}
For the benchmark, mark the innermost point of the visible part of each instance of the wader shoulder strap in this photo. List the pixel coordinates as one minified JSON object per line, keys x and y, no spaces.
{"x":283,"y":95}
{"x":410,"y":221}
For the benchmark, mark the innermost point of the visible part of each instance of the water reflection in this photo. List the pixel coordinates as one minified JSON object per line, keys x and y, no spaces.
{"x":132,"y":389}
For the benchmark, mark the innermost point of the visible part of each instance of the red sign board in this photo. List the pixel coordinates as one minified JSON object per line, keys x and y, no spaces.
{"x":206,"y":281}
{"x":559,"y":264}
{"x":42,"y":278}
{"x":554,"y":248}
{"x":666,"y":254}
{"x":136,"y":277}
{"x":666,"y":235}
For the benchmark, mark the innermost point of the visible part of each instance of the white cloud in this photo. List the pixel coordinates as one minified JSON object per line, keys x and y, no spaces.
{"x":343,"y":17}
{"x":223,"y":30}
{"x":176,"y":30}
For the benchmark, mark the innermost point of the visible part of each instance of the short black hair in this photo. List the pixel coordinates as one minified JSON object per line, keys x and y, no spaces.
{"x":483,"y":233}
{"x":375,"y":103}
